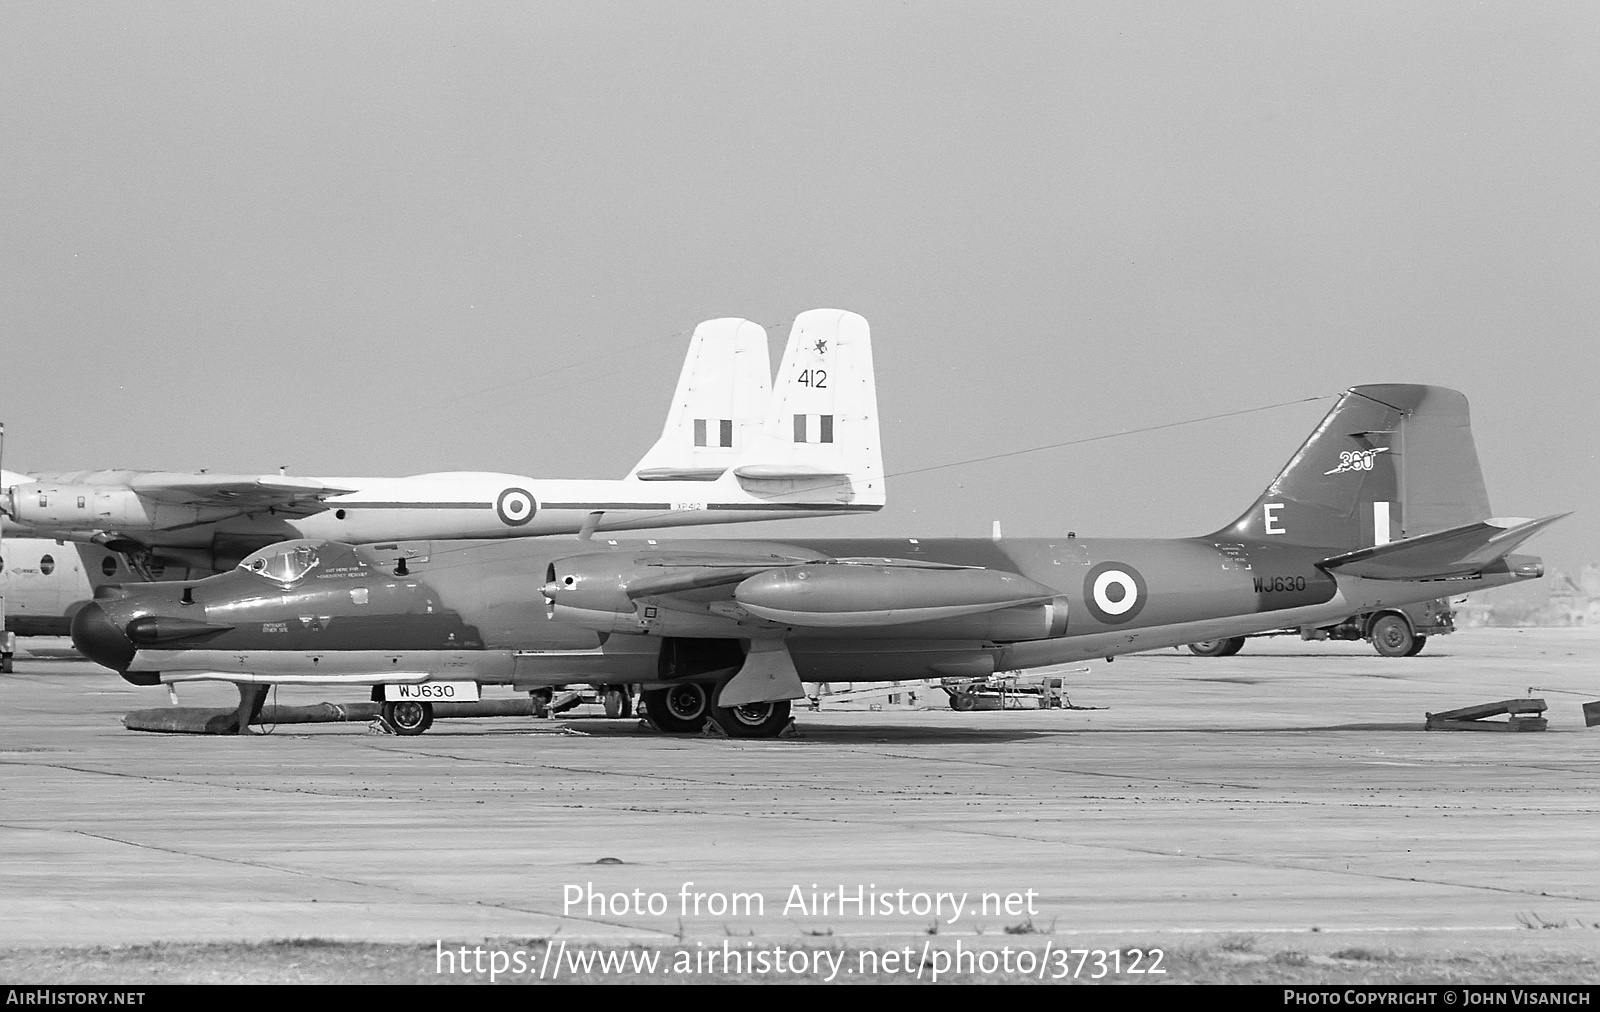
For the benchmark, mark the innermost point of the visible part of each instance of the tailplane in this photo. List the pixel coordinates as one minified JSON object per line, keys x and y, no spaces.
{"x":820,"y":440}
{"x":1389,"y":462}
{"x":1448,"y":554}
{"x":718,"y":406}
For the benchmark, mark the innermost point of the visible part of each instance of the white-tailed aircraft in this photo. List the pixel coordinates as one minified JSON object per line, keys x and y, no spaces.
{"x":733,"y":449}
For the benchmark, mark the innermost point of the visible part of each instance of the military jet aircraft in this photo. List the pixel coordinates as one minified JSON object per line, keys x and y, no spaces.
{"x":732,"y":450}
{"x":1382,"y":505}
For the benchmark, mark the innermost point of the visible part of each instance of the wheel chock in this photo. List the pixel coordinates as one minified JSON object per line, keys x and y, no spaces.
{"x":1591,"y":713}
{"x":1523,"y":714}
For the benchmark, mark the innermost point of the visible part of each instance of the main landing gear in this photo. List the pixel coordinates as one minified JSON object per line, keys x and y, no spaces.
{"x":686,"y":707}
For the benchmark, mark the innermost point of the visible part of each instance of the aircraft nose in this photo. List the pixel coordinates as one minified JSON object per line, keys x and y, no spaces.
{"x":100,"y":639}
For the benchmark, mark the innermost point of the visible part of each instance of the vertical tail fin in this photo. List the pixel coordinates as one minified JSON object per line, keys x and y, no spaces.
{"x":1390,"y":461}
{"x":718,"y":407}
{"x":820,"y":441}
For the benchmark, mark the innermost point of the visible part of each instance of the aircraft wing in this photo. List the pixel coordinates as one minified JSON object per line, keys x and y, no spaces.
{"x":292,"y":497}
{"x":1457,"y":551}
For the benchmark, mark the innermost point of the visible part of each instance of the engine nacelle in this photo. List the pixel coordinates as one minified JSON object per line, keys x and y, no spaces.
{"x":658,"y":594}
{"x":62,"y":507}
{"x":863,"y":595}
{"x":591,"y":583}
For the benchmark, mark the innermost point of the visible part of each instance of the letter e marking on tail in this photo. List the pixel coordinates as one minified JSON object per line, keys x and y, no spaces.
{"x":1269,"y":516}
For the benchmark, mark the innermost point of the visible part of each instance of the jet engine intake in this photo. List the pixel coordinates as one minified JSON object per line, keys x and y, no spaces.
{"x":591,"y":591}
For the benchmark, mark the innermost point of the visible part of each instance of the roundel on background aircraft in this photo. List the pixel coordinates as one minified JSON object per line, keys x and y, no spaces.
{"x":516,"y":506}
{"x":1114,"y":592}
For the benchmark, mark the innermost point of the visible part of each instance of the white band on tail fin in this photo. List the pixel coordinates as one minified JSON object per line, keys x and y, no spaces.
{"x":820,"y":441}
{"x":719,"y":404}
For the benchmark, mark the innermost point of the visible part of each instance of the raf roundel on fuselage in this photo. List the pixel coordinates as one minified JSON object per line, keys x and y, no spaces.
{"x":1115,"y":592}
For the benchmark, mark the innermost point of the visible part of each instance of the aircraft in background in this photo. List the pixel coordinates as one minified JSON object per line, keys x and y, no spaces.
{"x":732,"y":450}
{"x":43,"y":584}
{"x":1384,"y":504}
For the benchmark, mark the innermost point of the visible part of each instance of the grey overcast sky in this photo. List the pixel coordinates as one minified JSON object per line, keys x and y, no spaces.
{"x":389,"y":238}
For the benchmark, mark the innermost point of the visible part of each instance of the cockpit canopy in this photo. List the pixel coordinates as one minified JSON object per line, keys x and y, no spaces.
{"x":285,"y":562}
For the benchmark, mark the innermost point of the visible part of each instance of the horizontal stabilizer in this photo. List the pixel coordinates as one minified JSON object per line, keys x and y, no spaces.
{"x":1459,"y":551}
{"x":785,"y":472}
{"x":680,"y":473}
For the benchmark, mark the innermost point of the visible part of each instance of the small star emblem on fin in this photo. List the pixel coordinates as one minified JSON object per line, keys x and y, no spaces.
{"x":822,"y":347}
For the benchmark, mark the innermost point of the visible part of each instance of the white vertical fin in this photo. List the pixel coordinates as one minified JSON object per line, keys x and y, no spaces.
{"x":820,"y":442}
{"x":718,"y":406}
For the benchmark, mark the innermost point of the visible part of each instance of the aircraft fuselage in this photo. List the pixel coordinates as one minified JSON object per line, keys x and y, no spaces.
{"x":481,"y":610}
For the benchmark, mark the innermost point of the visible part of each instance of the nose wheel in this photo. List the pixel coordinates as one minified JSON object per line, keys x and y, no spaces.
{"x":408,"y":717}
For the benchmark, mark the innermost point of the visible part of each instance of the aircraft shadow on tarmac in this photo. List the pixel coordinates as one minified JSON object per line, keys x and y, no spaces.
{"x":810,"y":733}
{"x":1320,"y":655}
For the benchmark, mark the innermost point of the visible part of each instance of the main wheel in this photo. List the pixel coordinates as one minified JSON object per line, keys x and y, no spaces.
{"x":617,"y":700}
{"x":408,"y":717}
{"x":1416,"y":646}
{"x":963,"y":701}
{"x":1217,"y":648}
{"x":1392,"y":637}
{"x":753,"y":720}
{"x":679,"y":709}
